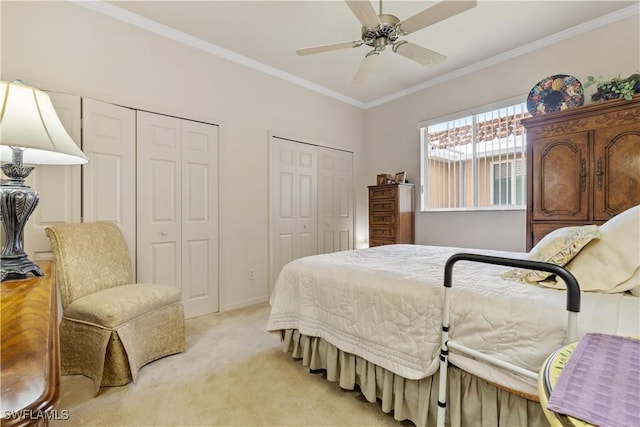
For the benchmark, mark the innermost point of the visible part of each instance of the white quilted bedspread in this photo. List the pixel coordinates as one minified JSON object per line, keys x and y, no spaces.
{"x":385,"y":304}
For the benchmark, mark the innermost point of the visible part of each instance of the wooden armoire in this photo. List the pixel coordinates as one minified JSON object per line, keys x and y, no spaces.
{"x":391,"y":214}
{"x":583,"y":165}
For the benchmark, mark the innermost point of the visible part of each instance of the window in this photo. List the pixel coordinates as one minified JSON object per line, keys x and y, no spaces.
{"x":508,"y":185}
{"x":475,"y":161}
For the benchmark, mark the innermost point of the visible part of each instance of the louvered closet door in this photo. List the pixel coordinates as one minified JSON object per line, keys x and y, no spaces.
{"x":335,"y":200}
{"x":178,"y":208}
{"x":57,"y":186}
{"x":109,"y":179}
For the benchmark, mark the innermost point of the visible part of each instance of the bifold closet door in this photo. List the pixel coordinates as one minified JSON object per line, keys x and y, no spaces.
{"x":109,"y":179}
{"x":293,"y":202}
{"x":57,"y":186}
{"x":335,"y":200}
{"x":177,"y":208}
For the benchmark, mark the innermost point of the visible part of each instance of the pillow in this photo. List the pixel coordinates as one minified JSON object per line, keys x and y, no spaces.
{"x":610,"y":263}
{"x":633,"y":284}
{"x":557,"y":247}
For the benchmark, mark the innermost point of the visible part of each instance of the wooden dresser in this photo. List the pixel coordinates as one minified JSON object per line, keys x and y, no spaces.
{"x":29,"y":357}
{"x":391,"y":214}
{"x":583,"y":165}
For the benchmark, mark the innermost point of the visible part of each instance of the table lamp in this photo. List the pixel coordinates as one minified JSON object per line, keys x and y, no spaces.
{"x":30,"y":133}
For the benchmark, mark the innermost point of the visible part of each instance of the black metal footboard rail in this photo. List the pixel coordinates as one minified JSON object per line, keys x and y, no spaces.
{"x":573,"y":308}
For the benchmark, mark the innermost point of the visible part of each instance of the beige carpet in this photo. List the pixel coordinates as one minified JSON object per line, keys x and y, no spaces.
{"x":232,"y":374}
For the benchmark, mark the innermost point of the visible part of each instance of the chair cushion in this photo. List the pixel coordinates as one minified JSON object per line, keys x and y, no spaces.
{"x":90,"y":257}
{"x":115,"y":306}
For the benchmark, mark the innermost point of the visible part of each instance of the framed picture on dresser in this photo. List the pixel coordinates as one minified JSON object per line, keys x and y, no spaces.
{"x":400,"y":177}
{"x":385,"y":178}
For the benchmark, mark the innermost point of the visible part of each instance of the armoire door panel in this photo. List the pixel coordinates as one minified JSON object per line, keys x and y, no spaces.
{"x":617,"y":175}
{"x":561,"y":169}
{"x":57,"y":186}
{"x":109,"y":179}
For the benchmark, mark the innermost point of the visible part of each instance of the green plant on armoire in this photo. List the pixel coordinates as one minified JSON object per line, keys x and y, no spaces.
{"x":615,"y":88}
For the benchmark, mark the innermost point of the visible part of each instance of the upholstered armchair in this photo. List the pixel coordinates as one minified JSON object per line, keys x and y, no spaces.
{"x":110,"y":326}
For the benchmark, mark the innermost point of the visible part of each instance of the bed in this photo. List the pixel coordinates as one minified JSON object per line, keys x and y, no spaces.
{"x":372,"y":318}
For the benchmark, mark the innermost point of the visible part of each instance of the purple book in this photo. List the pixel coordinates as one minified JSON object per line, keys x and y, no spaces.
{"x":600,"y":383}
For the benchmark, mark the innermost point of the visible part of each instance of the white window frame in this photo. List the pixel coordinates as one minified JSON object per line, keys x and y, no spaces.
{"x":457,"y":116}
{"x":512,"y":166}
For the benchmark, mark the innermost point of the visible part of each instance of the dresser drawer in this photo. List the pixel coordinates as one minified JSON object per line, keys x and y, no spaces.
{"x":380,"y":242}
{"x":382,"y":206}
{"x":382,"y":233}
{"x":383,"y":192}
{"x":382,"y":218}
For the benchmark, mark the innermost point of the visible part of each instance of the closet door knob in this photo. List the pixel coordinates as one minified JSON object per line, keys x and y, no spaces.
{"x":163,"y":233}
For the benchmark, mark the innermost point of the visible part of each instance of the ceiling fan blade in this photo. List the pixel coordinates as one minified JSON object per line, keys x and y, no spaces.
{"x":365,"y":12}
{"x":436,"y":13}
{"x":420,"y":54}
{"x":365,"y":67}
{"x":327,"y":47}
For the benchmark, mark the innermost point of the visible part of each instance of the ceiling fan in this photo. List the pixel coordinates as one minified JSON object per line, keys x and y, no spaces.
{"x":382,"y":30}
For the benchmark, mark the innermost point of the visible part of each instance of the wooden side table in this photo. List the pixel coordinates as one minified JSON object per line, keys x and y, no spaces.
{"x":547,"y":379}
{"x":29,"y":356}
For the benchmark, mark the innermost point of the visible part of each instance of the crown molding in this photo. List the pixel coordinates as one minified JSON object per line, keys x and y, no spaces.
{"x":178,"y":36}
{"x":155,"y":27}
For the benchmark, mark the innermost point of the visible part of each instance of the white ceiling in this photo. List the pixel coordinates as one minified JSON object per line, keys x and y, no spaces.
{"x":266,"y":34}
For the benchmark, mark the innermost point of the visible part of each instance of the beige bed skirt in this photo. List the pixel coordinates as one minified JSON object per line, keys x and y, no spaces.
{"x":471,"y":401}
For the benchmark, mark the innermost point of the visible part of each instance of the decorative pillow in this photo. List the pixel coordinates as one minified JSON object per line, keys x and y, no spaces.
{"x":610,"y":264}
{"x":635,"y":291}
{"x":633,"y":284}
{"x":557,"y":247}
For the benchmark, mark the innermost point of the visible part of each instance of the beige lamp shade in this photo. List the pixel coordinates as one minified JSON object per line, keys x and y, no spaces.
{"x":28,"y":121}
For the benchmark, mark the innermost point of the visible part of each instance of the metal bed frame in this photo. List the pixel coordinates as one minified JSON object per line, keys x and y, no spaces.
{"x":573,"y":308}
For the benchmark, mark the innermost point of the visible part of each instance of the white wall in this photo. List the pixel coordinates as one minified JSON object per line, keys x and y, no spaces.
{"x":66,"y":48}
{"x":63,"y":47}
{"x":393,"y":141}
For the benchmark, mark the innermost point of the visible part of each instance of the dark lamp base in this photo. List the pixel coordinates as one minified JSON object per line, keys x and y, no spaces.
{"x":18,"y":267}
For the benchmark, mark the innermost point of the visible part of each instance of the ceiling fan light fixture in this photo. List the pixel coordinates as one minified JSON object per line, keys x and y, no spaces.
{"x":381,"y":43}
{"x":386,"y":30}
{"x":381,"y":30}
